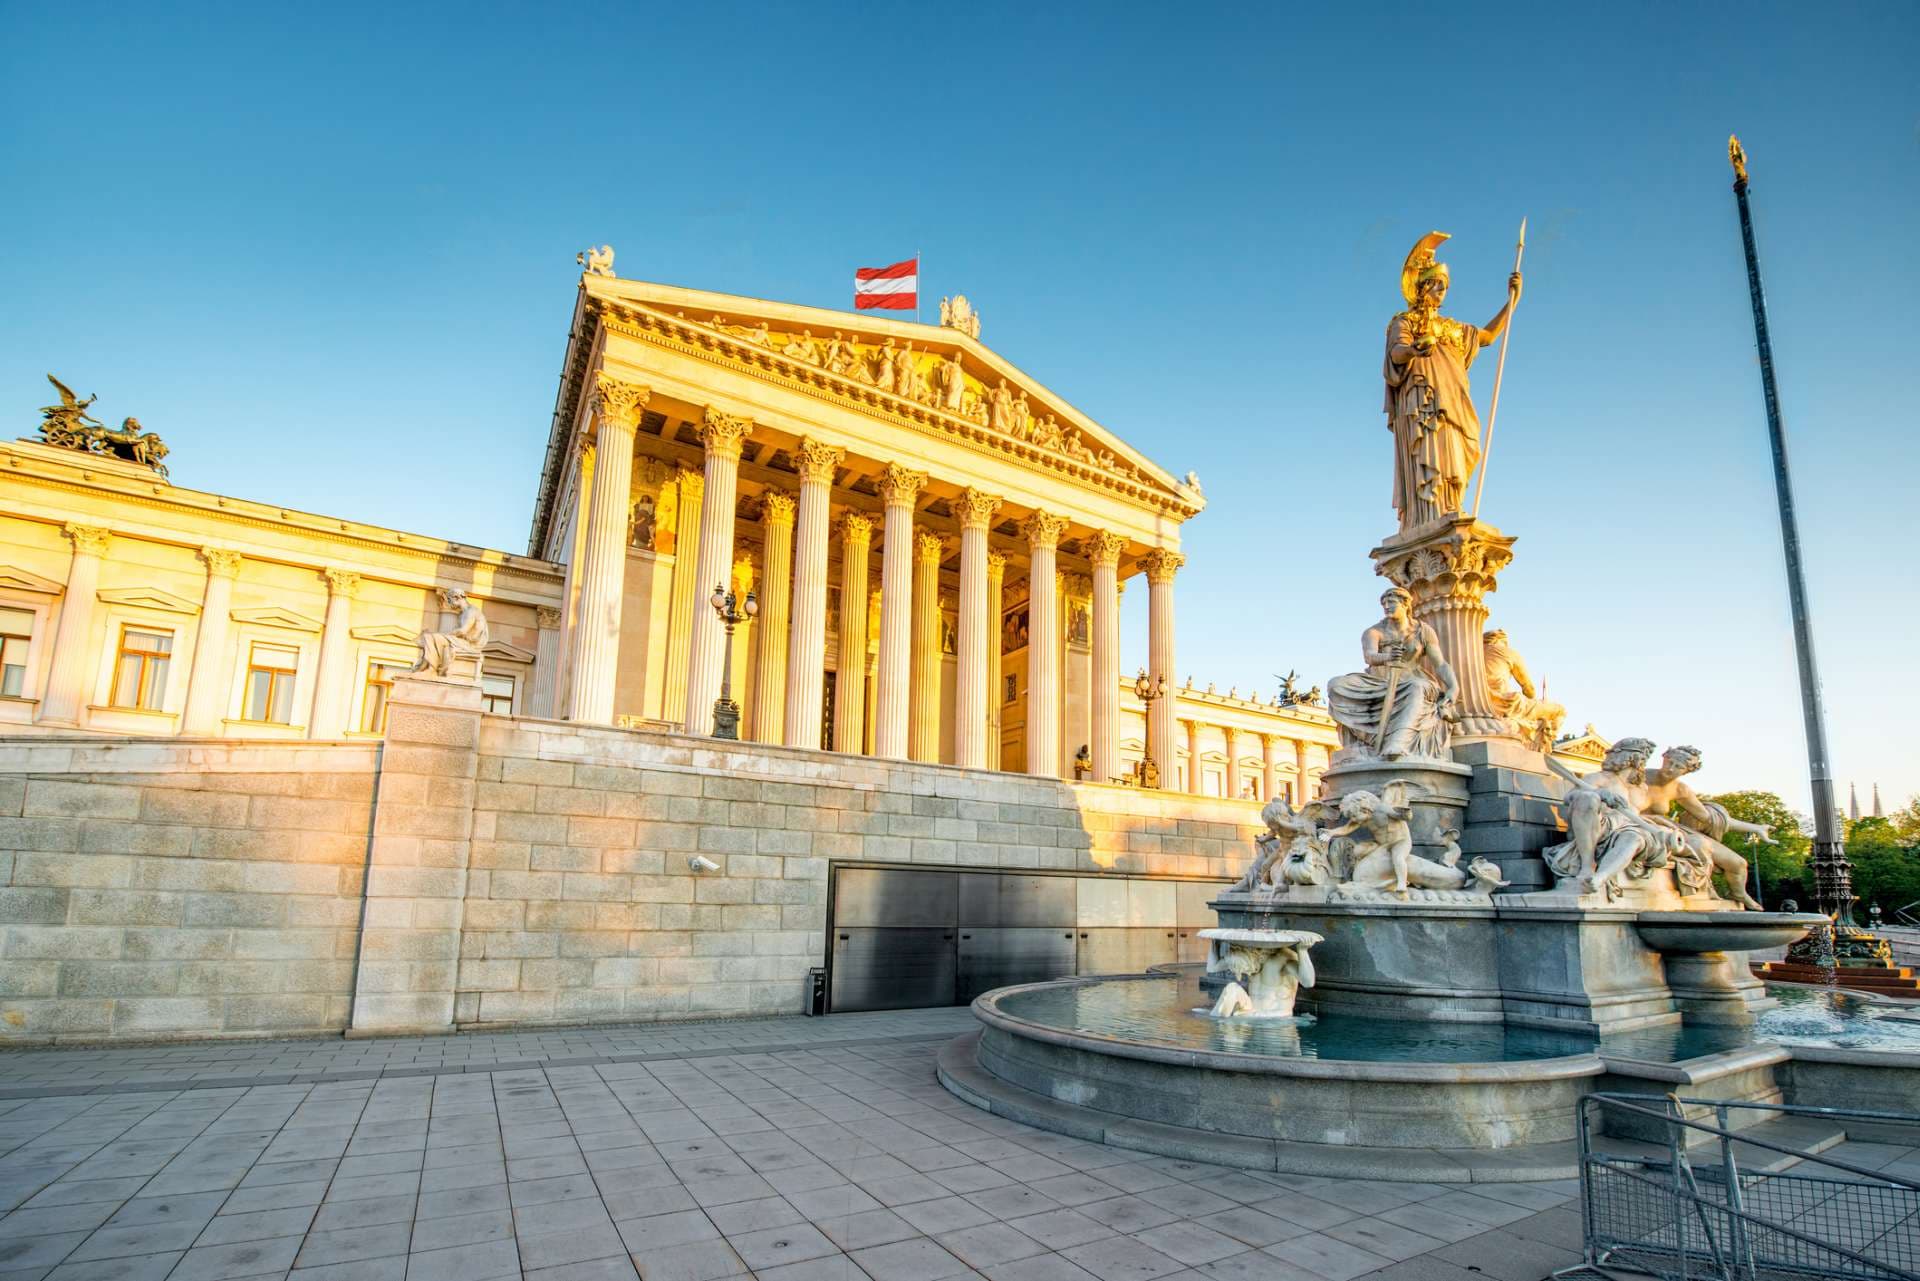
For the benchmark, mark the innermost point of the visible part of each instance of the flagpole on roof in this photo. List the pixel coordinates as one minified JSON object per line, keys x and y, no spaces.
{"x":918,"y":265}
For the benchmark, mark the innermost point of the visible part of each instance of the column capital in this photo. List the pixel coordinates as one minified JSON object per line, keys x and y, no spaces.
{"x":856,"y":527}
{"x":547,"y":616}
{"x":692,"y":482}
{"x":900,"y":486}
{"x":723,"y":433}
{"x":1104,"y":548}
{"x":929,"y":548}
{"x":1043,"y":529}
{"x":1162,"y":564}
{"x":777,"y":507}
{"x":996,"y":565}
{"x":88,"y":540}
{"x":975,"y":508}
{"x":341,"y":582}
{"x":221,"y":562}
{"x":816,"y":460}
{"x":617,"y":401}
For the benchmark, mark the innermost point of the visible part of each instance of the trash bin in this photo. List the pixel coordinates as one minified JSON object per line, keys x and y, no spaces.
{"x":817,"y":990}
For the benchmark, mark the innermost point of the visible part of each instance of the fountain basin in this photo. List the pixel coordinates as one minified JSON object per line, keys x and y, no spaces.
{"x":1696,"y":933}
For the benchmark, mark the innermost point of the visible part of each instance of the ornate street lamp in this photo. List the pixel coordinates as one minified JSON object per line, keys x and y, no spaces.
{"x":726,"y":712}
{"x":1147,"y":689}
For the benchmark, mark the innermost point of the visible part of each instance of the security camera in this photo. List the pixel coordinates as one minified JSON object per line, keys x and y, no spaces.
{"x":701,"y":863}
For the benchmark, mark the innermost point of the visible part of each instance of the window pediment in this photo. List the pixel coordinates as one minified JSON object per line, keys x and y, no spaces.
{"x":149,"y":598}
{"x":388,"y":632}
{"x":509,"y":653}
{"x":13,"y":578}
{"x":277,"y":616}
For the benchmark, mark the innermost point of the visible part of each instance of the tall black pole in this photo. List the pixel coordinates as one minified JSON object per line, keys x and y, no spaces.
{"x":1832,"y":875}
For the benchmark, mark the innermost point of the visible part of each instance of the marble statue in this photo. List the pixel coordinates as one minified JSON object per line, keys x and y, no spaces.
{"x":1510,"y":688}
{"x":1436,"y":431}
{"x":440,"y":650}
{"x":67,"y":425}
{"x":883,"y":376}
{"x":1268,"y":968}
{"x":957,"y":313}
{"x":598,"y":262}
{"x":1705,"y":821}
{"x":644,"y":522}
{"x":802,"y":348}
{"x":1381,"y":856}
{"x":1402,"y":705}
{"x":953,"y":384}
{"x":1291,"y":852}
{"x":907,"y":379}
{"x":1612,"y":838}
{"x":840,"y":354}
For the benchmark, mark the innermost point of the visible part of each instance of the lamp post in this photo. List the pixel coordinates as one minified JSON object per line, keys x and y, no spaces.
{"x":1147,"y":689}
{"x":1832,"y":875}
{"x":726,"y":712}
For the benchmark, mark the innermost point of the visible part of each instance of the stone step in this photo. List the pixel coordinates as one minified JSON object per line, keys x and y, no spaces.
{"x":1864,"y":978}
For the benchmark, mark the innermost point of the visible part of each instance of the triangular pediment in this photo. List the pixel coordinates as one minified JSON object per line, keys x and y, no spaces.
{"x":149,"y":598}
{"x":507,"y":653}
{"x":13,"y":578}
{"x":387,"y":632}
{"x":277,"y":616}
{"x":864,"y":359}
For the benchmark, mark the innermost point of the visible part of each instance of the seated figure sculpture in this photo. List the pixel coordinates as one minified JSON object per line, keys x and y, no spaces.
{"x":440,"y":650}
{"x":1705,"y":821}
{"x":1534,"y":717}
{"x":1402,"y":705}
{"x":1614,"y":837}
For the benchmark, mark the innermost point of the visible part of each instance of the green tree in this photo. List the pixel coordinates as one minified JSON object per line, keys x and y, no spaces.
{"x":1782,"y":865}
{"x":1886,"y":869}
{"x":1906,"y":822}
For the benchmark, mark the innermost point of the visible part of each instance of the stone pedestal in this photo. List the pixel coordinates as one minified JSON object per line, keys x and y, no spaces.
{"x":1450,"y":566}
{"x":1513,"y":809}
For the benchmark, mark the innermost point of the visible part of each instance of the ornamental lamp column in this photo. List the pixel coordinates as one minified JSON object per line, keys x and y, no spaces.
{"x":207,"y":683}
{"x":722,"y":435}
{"x":729,"y":612}
{"x":1043,"y":530}
{"x":1161,"y":565}
{"x":850,"y":685}
{"x":1103,"y":549}
{"x":973,"y":690}
{"x":807,"y":643}
{"x":899,"y":489}
{"x":617,"y":407}
{"x":770,"y":657}
{"x":73,"y":655}
{"x":332,"y":694}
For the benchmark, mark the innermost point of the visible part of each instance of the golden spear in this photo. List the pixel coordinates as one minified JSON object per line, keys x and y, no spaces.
{"x":1499,"y":370}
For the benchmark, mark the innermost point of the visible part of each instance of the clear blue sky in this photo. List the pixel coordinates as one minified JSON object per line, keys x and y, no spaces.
{"x":329,"y":255}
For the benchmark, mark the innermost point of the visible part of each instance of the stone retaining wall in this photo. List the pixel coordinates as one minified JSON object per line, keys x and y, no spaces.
{"x":516,"y":871}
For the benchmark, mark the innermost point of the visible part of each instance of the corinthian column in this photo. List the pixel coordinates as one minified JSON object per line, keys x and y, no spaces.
{"x":1450,"y":568}
{"x":73,"y":653}
{"x":807,"y":647}
{"x":1195,"y":782}
{"x":1161,"y":565}
{"x":1043,"y":531}
{"x":996,"y":614}
{"x":1104,"y":550}
{"x":1302,"y":790}
{"x":972,"y":690}
{"x":687,"y":591}
{"x":899,"y":488}
{"x":776,"y":602}
{"x":617,"y":407}
{"x":1269,"y":769}
{"x":1233,"y":761}
{"x":332,"y":689}
{"x":722,"y":434}
{"x":923,"y":728}
{"x":208,"y":682}
{"x":850,"y":685}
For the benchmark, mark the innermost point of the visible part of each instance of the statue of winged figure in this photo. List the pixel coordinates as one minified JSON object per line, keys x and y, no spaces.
{"x":66,"y":423}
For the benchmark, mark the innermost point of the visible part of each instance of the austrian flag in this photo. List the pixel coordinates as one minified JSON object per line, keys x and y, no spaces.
{"x":895,"y":288}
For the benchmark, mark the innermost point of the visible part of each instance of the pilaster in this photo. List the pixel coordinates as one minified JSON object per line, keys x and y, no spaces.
{"x":332,"y":686}
{"x":211,"y":677}
{"x":73,"y":652}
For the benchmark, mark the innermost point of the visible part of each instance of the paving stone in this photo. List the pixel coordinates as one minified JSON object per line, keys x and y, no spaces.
{"x":917,"y":1260}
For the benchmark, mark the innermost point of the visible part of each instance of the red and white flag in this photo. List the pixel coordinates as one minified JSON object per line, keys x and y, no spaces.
{"x":895,"y":288}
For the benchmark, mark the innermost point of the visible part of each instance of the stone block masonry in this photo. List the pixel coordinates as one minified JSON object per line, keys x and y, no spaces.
{"x":509,"y":871}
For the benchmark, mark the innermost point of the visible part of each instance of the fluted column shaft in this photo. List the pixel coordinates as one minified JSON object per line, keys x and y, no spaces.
{"x":1269,"y":769}
{"x":1303,"y":792}
{"x":332,"y":689}
{"x":1104,"y":550}
{"x":686,"y":593}
{"x":972,"y":688}
{"x":722,"y":434}
{"x":546,"y":663}
{"x":596,"y":648}
{"x":807,"y":644}
{"x":923,"y":722}
{"x":1043,"y":645}
{"x":1232,"y":788}
{"x":850,"y":684}
{"x":996,"y":614}
{"x":1196,"y":782}
{"x":775,"y":622}
{"x":208,"y":682}
{"x":73,"y":653}
{"x":1161,"y":566}
{"x":899,"y":488}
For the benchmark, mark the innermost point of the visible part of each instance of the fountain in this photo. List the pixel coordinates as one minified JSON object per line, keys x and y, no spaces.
{"x":1492,"y":937}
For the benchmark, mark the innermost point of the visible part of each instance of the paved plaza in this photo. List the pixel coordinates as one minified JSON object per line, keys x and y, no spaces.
{"x":787,"y":1149}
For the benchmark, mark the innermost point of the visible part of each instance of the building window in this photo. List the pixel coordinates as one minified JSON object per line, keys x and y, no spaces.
{"x":16,"y":635}
{"x":373,"y":703}
{"x":496,"y":693}
{"x":140,"y":671}
{"x":270,"y":673}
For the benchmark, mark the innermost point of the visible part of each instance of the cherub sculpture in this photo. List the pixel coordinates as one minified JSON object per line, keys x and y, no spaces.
{"x":1292,"y":852}
{"x":1381,"y":852}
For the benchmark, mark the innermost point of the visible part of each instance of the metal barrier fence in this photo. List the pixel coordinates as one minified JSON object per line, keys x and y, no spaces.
{"x":1713,"y":1202}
